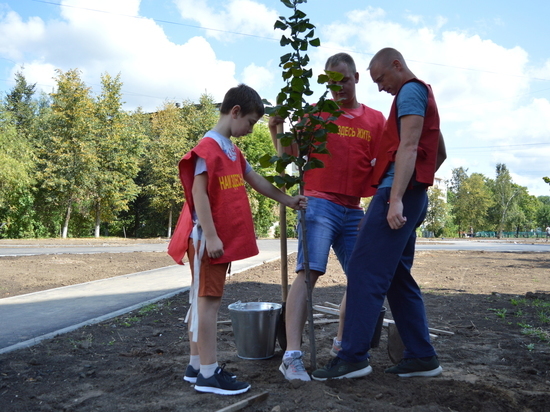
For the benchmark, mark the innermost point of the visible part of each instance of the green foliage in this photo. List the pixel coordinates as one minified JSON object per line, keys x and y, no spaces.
{"x":19,"y":101}
{"x":264,"y":209}
{"x":309,"y":124}
{"x":505,"y":195}
{"x":173,"y":132}
{"x":472,"y":200}
{"x":17,"y":160}
{"x":438,"y":212}
{"x":118,"y":148}
{"x":68,"y":156}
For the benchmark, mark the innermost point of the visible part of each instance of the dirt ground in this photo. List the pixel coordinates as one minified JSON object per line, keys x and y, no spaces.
{"x":496,"y":304}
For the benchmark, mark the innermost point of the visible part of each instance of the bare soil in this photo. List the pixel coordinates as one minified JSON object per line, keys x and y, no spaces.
{"x":497,"y":305}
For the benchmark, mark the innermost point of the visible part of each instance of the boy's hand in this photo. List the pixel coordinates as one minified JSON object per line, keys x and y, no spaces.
{"x":214,"y":247}
{"x":298,"y":202}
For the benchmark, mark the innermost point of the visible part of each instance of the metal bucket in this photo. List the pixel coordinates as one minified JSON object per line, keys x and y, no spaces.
{"x":255,"y":328}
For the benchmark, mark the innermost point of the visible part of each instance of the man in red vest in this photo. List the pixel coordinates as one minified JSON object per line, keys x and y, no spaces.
{"x":411,"y":151}
{"x":216,"y":228}
{"x":334,"y":210}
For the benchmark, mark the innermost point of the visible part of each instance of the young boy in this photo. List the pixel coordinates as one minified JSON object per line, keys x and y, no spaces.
{"x":216,"y":228}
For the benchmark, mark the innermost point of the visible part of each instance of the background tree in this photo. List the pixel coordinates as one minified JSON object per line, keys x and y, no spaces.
{"x":68,"y":153}
{"x":174,"y":131}
{"x":255,"y":145}
{"x":459,"y":175}
{"x":523,"y":215}
{"x":438,"y":212}
{"x":543,"y":212}
{"x":16,"y":177}
{"x":21,"y":103}
{"x":118,"y":147}
{"x":505,"y":199}
{"x":169,"y":142}
{"x":472,"y":202}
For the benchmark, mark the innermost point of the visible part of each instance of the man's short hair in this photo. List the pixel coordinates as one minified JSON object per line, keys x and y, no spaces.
{"x":244,"y":96}
{"x":341,"y":58}
{"x":386,"y":56}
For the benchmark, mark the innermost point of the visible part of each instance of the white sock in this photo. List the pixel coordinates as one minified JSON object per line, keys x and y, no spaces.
{"x":208,"y":370}
{"x":195,"y":361}
{"x":288,"y":354}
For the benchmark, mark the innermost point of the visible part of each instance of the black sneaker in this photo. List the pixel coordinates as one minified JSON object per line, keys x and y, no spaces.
{"x":221,"y":383}
{"x":339,"y":368}
{"x":191,"y":374}
{"x":408,"y":368}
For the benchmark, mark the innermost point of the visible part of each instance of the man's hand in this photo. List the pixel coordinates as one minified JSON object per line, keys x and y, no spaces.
{"x":274,"y":121}
{"x":395,"y":217}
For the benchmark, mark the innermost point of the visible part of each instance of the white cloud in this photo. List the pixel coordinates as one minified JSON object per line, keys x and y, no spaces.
{"x":152,"y":67}
{"x":237,"y":16}
{"x":257,"y":77}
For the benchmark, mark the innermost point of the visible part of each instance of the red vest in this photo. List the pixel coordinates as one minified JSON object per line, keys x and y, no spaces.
{"x":426,"y":157}
{"x":348,"y":167}
{"x":228,"y":202}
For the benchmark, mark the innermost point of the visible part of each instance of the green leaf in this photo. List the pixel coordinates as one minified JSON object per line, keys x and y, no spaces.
{"x":285,"y":58}
{"x":267,"y":160}
{"x":284,"y":41}
{"x":334,"y":76}
{"x":288,"y":3}
{"x":314,"y":163}
{"x":279,"y":181}
{"x":315,"y":42}
{"x":280,"y":25}
{"x":322,"y":78}
{"x":331,"y":128}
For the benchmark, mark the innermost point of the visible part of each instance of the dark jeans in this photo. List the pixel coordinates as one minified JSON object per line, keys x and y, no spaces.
{"x":380,"y":266}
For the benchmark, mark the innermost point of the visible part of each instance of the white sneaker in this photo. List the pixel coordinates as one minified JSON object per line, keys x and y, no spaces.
{"x":293,"y":368}
{"x":335,"y":348}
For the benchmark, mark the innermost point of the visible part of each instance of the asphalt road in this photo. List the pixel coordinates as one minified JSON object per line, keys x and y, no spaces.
{"x":273,"y":245}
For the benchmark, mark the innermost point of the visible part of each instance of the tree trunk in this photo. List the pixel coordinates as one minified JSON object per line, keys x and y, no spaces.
{"x":97,"y":219}
{"x":66,"y":224}
{"x":170,"y":223}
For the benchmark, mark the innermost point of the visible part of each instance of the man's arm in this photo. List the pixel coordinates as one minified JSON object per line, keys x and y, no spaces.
{"x":441,"y":152}
{"x":214,"y":245}
{"x":405,"y":160}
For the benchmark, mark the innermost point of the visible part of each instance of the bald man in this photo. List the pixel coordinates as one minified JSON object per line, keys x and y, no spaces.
{"x":411,"y":151}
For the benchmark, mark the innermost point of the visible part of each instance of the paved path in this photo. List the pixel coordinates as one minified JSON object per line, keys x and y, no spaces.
{"x":28,"y":319}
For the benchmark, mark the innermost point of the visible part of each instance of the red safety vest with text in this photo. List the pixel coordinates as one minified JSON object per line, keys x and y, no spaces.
{"x":228,"y":201}
{"x":347,"y":169}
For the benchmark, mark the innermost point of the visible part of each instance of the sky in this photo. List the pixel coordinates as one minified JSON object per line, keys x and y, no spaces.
{"x":488,"y":61}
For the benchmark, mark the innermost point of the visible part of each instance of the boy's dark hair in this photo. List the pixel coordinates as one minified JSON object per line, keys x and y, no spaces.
{"x":341,"y":58}
{"x":244,"y":96}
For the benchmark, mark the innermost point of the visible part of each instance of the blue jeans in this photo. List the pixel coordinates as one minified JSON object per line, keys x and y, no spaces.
{"x":380,"y":266}
{"x":328,"y":224}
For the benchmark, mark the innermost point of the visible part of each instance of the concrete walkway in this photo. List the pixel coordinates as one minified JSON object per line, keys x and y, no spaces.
{"x":26,"y":320}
